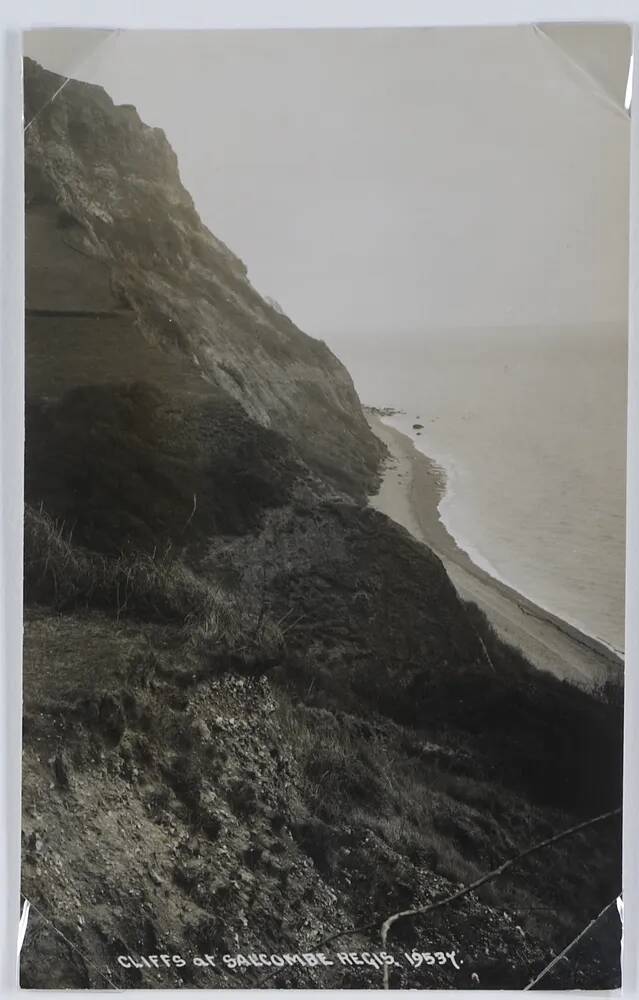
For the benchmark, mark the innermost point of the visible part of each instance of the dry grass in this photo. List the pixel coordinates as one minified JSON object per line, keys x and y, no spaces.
{"x":367,"y":780}
{"x":438,"y":814}
{"x":153,"y":587}
{"x":156,"y":587}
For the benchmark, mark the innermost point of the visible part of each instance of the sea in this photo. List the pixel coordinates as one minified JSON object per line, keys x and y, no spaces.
{"x":529,"y":426}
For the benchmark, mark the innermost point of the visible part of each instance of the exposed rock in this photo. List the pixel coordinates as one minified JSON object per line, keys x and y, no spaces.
{"x":62,"y":771}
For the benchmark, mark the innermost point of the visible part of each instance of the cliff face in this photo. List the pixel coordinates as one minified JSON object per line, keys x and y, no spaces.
{"x":111,"y":231}
{"x":255,"y":711}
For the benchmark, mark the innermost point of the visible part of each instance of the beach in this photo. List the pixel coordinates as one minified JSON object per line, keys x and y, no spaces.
{"x":411,"y":490}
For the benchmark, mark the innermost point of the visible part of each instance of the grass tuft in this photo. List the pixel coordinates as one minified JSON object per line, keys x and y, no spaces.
{"x":154,"y":587}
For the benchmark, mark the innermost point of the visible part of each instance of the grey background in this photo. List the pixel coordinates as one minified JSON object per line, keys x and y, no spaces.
{"x":379,"y":181}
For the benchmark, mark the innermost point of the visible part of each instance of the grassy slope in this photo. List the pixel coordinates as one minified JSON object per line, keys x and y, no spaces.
{"x":317,"y":798}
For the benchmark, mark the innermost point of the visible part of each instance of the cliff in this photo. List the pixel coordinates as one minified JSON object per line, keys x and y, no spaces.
{"x":256,"y":711}
{"x":111,"y":230}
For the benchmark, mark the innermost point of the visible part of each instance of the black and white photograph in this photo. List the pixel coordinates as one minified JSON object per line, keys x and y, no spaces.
{"x":326,"y":340}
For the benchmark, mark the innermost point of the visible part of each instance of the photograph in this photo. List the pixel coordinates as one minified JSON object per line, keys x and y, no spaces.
{"x":326,"y":354}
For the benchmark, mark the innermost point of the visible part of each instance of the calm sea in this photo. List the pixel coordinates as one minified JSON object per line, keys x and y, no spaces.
{"x":529,"y":426}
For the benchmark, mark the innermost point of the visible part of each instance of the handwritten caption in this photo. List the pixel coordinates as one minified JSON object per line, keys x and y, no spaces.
{"x":310,"y":960}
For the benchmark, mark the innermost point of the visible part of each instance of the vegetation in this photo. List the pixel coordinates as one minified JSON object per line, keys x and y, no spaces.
{"x":156,"y":587}
{"x":128,"y":467}
{"x":442,"y":809}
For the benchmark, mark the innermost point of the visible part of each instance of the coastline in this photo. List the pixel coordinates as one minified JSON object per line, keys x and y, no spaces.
{"x":411,"y":490}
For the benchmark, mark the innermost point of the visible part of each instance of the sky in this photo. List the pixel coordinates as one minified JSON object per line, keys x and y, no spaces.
{"x":382,"y":181}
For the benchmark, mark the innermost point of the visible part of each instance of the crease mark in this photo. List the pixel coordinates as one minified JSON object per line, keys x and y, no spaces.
{"x":22,"y":926}
{"x":597,"y":88}
{"x":78,"y":65}
{"x":31,"y":906}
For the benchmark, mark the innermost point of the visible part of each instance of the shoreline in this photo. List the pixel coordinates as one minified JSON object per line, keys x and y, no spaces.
{"x":411,"y":489}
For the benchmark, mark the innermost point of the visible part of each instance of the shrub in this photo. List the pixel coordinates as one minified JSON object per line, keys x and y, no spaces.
{"x":155,"y":587}
{"x":132,"y":466}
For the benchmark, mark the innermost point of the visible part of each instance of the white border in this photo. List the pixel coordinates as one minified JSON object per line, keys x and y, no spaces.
{"x":631,"y":735}
{"x":245,"y":14}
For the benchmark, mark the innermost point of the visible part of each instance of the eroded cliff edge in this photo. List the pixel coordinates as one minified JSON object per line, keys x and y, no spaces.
{"x":113,"y":230}
{"x":256,"y":711}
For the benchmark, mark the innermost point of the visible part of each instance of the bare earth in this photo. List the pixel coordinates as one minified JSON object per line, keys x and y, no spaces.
{"x":411,"y":489}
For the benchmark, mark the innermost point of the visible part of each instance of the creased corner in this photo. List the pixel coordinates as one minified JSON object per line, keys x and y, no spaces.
{"x":22,"y":927}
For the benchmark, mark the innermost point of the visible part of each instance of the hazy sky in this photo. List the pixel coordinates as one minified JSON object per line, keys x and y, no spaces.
{"x":388,"y":180}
